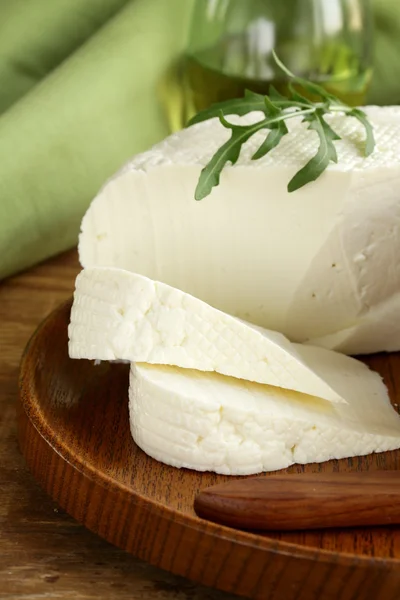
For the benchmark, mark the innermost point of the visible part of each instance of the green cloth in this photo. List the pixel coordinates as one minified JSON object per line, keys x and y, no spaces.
{"x":37,"y":35}
{"x":80,"y":92}
{"x":76,"y":126}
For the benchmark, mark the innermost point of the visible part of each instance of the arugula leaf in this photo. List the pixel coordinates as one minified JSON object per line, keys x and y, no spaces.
{"x":237,"y":106}
{"x":277,"y":109}
{"x":277,"y":131}
{"x":326,"y":153}
{"x":228,"y":152}
{"x":271,"y":141}
{"x":297,"y":97}
{"x":275,"y":95}
{"x":362,"y":117}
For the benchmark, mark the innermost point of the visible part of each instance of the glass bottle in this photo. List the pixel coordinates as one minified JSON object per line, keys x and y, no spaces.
{"x":230,"y":44}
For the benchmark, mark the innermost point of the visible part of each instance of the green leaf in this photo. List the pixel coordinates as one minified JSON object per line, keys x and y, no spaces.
{"x":270,"y":108}
{"x":297,"y":97}
{"x":236,"y":106}
{"x":370,"y":140}
{"x":328,"y":131}
{"x":315,"y":89}
{"x":253,"y":96}
{"x":274,"y":94}
{"x":272,"y":140}
{"x":227,"y":124}
{"x":326,"y":153}
{"x":228,"y":152}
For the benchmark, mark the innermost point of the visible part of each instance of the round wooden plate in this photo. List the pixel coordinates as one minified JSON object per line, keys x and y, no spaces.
{"x":74,"y":434}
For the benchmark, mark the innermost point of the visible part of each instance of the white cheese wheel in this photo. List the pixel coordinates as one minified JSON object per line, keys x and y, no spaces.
{"x":209,"y":422}
{"x":119,"y":315}
{"x":320,"y":264}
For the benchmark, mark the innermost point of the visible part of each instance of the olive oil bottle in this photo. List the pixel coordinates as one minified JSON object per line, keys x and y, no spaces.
{"x":325,"y":41}
{"x":207,"y":85}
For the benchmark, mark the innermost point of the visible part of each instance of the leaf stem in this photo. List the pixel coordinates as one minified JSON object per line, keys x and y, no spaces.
{"x":265,"y":122}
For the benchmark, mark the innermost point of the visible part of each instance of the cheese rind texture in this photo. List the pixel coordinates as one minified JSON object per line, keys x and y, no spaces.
{"x":320,"y":265}
{"x":209,"y":422}
{"x":119,"y":315}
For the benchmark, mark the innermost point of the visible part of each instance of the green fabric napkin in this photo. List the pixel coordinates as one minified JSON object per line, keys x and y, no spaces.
{"x":80,"y":93}
{"x":73,"y":129}
{"x":36,"y":36}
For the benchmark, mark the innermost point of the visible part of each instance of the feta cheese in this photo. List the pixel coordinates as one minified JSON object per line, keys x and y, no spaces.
{"x":119,"y":315}
{"x":319,"y":265}
{"x":209,"y":422}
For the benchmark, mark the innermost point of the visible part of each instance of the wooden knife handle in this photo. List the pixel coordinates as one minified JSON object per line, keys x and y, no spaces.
{"x":304,"y":501}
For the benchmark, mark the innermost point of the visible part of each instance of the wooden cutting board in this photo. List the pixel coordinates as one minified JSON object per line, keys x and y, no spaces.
{"x":74,"y":434}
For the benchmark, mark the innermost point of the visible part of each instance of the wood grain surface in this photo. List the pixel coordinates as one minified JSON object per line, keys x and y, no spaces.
{"x":74,"y":432}
{"x":295,"y":501}
{"x":44,"y":553}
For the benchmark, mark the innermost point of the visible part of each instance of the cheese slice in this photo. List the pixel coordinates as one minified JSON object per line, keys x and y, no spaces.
{"x":119,"y":315}
{"x":313,"y":264}
{"x":209,"y":422}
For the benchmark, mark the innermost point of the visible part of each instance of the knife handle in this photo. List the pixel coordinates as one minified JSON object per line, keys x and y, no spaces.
{"x":304,"y":501}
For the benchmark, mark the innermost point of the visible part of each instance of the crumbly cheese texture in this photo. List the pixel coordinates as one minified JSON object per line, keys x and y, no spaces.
{"x":209,"y":422}
{"x":320,"y":265}
{"x":119,"y":315}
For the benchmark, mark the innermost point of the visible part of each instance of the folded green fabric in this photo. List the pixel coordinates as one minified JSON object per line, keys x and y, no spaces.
{"x":36,"y":36}
{"x":80,"y":92}
{"x":60,"y":141}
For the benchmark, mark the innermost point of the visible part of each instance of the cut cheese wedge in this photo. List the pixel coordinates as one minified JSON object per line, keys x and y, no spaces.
{"x":209,"y":422}
{"x":319,"y":265}
{"x":118,"y":315}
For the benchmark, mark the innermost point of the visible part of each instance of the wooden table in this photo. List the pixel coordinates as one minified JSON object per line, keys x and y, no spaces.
{"x":43,"y":552}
